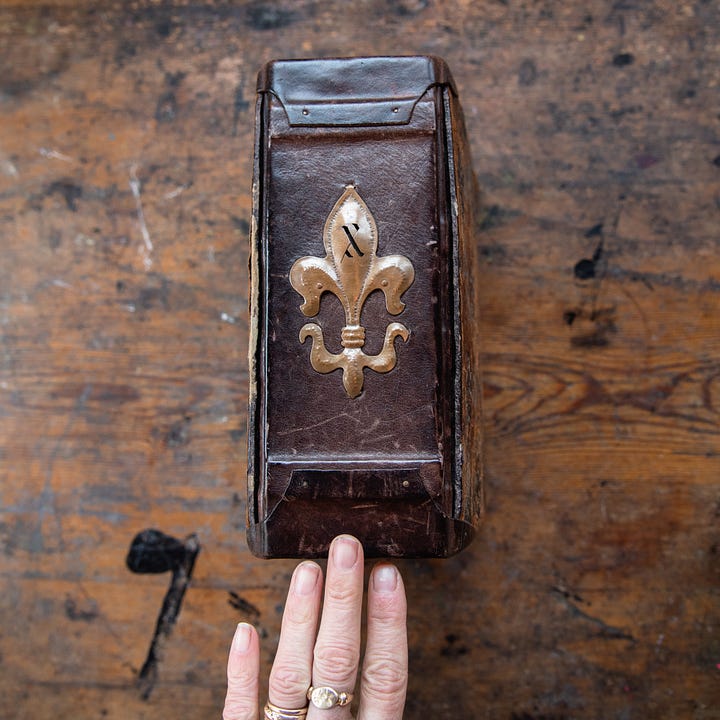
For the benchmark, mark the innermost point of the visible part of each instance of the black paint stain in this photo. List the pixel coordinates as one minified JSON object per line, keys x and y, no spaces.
{"x":609,"y":632}
{"x":173,"y":80}
{"x":85,"y":614}
{"x":492,"y":253}
{"x":124,"y":51}
{"x":453,"y":648}
{"x":154,"y":297}
{"x":716,"y":161}
{"x":12,"y":86}
{"x":243,"y":605}
{"x":267,"y":16}
{"x":594,"y":231}
{"x":586,"y":268}
{"x":603,"y":320}
{"x":595,"y":339}
{"x":646,"y":160}
{"x":495,"y":216}
{"x":527,"y":74}
{"x":623,"y":59}
{"x":166,"y":109}
{"x":55,"y":239}
{"x":237,"y":435}
{"x":688,"y":91}
{"x":568,"y":594}
{"x":164,"y":27}
{"x":593,"y":325}
{"x":152,"y":551}
{"x":70,"y":192}
{"x":113,"y":393}
{"x":15,"y":88}
{"x":240,"y":105}
{"x":240,"y":224}
{"x":179,"y":433}
{"x":620,"y":113}
{"x":407,"y":8}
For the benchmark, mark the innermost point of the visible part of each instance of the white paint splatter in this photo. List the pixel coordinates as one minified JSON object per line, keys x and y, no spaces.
{"x":81,"y":239}
{"x":174,"y":193}
{"x":147,"y":247}
{"x":9,"y":169}
{"x":61,"y":283}
{"x":54,"y":154}
{"x":227,"y":318}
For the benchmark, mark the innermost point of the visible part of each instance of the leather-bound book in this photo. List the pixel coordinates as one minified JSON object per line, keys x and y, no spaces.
{"x":364,"y":375}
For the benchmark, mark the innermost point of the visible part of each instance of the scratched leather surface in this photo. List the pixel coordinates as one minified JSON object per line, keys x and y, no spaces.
{"x":352,"y":91}
{"x":382,"y":465}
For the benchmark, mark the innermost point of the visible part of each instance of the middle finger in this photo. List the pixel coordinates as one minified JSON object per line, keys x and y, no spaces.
{"x":337,"y":650}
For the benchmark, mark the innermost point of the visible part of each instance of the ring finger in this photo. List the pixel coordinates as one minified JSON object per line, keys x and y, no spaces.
{"x":337,"y":650}
{"x":292,"y":668}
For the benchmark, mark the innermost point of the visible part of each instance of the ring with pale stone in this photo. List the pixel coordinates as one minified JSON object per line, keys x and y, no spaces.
{"x":325,"y":697}
{"x":273,"y":712}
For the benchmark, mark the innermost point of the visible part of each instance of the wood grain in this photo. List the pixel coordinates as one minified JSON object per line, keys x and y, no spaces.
{"x":592,"y":590}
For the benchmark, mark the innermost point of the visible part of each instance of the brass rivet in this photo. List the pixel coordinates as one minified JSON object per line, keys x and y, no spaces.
{"x":406,"y":483}
{"x":395,"y":109}
{"x":305,"y":111}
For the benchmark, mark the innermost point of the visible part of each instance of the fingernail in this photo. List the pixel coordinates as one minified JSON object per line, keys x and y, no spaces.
{"x":305,"y":580}
{"x":345,"y":552}
{"x":241,"y":641}
{"x":385,"y":578}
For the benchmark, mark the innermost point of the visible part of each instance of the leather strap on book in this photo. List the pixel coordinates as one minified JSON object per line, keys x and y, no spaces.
{"x":352,"y":91}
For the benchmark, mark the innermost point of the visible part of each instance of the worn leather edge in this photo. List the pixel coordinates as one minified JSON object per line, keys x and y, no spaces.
{"x":253,"y":309}
{"x":357,"y":466}
{"x":313,"y":92}
{"x":463,"y":217}
{"x":254,"y":342}
{"x":448,"y":537}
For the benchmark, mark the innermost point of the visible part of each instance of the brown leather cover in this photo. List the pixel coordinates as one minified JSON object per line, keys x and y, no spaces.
{"x":398,"y":464}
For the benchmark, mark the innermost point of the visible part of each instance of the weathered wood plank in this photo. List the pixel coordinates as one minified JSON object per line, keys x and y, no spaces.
{"x":592,"y":590}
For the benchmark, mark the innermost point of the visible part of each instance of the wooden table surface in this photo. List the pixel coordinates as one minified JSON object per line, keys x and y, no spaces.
{"x":593,"y":588}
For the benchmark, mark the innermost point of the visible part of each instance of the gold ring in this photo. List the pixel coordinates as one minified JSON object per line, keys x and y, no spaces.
{"x":326,"y":697}
{"x":273,"y":712}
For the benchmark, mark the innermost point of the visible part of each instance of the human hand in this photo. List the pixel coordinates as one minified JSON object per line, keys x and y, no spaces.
{"x":330,"y":656}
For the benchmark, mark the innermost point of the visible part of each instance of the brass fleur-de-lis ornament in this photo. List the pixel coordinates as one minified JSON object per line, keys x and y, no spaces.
{"x":351,"y":270}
